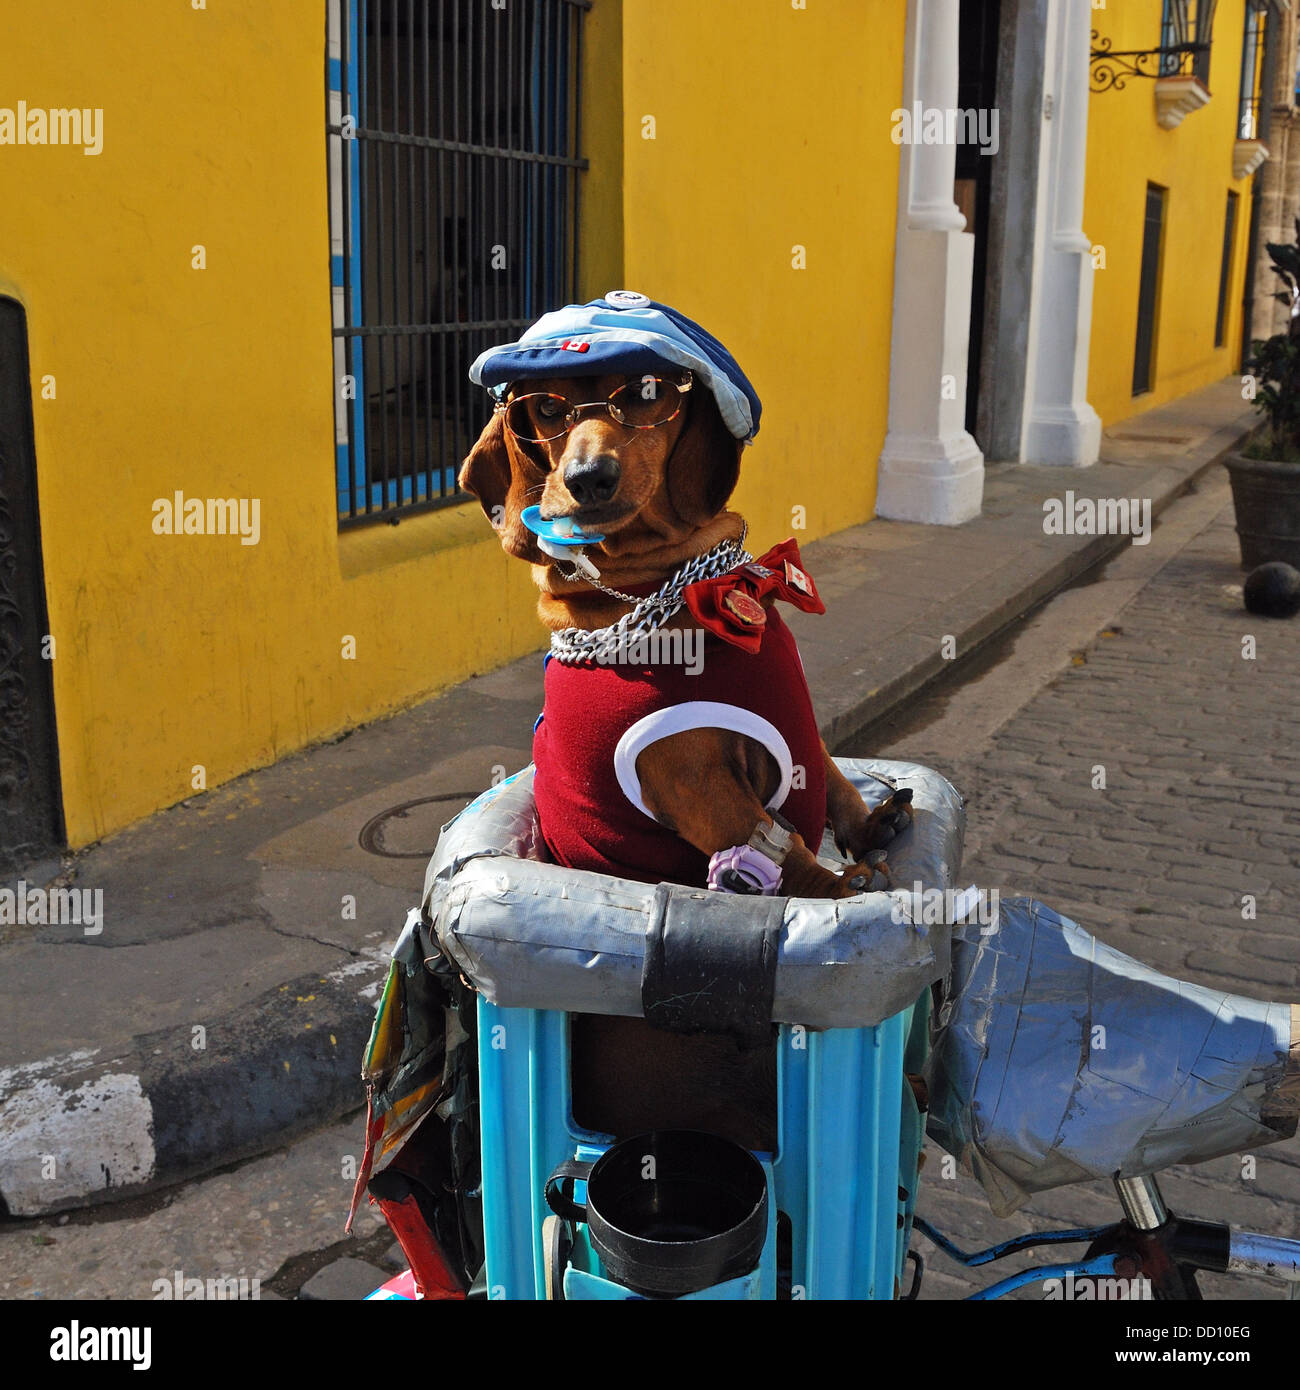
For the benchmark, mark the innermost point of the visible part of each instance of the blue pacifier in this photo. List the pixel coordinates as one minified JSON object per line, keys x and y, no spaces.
{"x":562,"y":539}
{"x":563,"y":531}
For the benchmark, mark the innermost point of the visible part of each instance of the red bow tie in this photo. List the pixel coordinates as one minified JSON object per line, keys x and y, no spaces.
{"x":731,"y":605}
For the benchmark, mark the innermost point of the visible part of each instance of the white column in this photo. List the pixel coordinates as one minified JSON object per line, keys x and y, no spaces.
{"x":930,"y":469}
{"x":934,"y":167}
{"x":1061,"y":427}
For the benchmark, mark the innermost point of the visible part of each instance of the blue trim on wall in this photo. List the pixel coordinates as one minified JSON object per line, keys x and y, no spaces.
{"x":413,"y":488}
{"x":341,"y":473}
{"x":350,"y":466}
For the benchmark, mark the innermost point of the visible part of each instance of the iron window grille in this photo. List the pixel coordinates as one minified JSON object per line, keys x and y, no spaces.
{"x":455,"y":153}
{"x":1186,"y":33}
{"x":1170,"y":62}
{"x":1252,"y":69}
{"x":1186,"y":37}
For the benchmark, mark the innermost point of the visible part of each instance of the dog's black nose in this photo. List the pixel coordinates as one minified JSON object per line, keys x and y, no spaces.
{"x":592,"y":480}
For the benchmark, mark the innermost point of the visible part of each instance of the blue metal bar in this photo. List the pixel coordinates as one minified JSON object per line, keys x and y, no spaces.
{"x":1101,"y":1264}
{"x":1006,"y":1247}
{"x":353,"y":272}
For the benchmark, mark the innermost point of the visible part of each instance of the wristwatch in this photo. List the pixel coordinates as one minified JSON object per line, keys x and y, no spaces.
{"x":744,"y":869}
{"x":755,"y":866}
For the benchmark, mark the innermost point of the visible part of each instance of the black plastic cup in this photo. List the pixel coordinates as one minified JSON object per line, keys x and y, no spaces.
{"x":670,"y":1212}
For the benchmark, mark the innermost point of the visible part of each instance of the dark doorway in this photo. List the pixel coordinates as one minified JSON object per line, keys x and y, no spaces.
{"x":1144,"y":356}
{"x":31,"y":820}
{"x":1225,"y":269}
{"x":976,"y":96}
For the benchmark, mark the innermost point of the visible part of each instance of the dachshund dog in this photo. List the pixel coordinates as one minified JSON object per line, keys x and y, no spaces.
{"x":658,"y":497}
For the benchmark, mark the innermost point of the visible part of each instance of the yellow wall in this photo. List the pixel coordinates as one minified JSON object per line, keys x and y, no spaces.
{"x":176,"y":651}
{"x":772,"y":129}
{"x":1126,"y":149}
{"x":600,"y":246}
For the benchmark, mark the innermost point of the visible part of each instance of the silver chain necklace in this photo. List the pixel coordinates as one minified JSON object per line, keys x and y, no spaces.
{"x":573,"y":644}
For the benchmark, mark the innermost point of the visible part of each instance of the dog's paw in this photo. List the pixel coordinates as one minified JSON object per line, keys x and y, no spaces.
{"x":889,"y":820}
{"x":870,"y":876}
{"x":859,"y":832}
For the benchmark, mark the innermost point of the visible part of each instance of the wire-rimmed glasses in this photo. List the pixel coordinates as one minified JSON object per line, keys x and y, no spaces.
{"x":643,"y":404}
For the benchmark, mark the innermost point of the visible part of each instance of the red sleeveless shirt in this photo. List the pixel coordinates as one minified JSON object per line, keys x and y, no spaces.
{"x":596,"y":720}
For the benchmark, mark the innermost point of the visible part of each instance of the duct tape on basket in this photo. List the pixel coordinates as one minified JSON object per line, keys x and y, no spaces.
{"x":530,"y":934}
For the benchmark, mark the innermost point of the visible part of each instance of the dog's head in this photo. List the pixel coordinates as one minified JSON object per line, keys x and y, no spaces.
{"x":619,"y":477}
{"x":621,"y":414}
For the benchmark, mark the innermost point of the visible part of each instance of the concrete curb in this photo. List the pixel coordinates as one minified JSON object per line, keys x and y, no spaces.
{"x":101,"y":1126}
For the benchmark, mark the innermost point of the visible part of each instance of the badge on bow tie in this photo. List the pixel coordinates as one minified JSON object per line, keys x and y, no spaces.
{"x":732,"y":605}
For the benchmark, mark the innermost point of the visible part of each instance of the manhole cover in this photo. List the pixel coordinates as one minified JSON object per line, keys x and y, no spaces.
{"x":410,"y":829}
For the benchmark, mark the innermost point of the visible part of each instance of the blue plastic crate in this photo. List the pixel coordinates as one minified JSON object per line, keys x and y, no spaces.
{"x":845,"y":1170}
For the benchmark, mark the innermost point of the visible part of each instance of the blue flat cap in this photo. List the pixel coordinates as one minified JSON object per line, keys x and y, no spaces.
{"x":624,"y":333}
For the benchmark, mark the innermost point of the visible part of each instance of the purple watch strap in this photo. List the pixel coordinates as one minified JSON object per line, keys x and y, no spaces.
{"x":750,"y":863}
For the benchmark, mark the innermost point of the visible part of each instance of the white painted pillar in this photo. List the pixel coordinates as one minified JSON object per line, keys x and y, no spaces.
{"x":1060,"y":426}
{"x":934,"y":167}
{"x":930,"y":469}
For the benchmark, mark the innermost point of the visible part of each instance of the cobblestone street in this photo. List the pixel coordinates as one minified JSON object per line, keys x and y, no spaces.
{"x":1199,"y":814}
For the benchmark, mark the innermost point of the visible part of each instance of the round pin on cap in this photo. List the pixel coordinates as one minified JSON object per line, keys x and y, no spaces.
{"x":627,"y":299}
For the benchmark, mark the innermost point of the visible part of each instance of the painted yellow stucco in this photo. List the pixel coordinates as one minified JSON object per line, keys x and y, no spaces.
{"x":764,"y":206}
{"x":778,"y":139}
{"x":1126,"y":150}
{"x":179,"y":653}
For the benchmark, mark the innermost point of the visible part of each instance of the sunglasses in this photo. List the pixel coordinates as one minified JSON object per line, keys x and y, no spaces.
{"x":644,"y":404}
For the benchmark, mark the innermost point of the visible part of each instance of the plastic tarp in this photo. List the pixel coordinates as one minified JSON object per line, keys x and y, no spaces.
{"x":1059,"y":1060}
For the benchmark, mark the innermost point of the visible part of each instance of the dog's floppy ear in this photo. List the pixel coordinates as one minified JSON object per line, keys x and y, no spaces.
{"x":705,"y":463}
{"x":486,"y":471}
{"x":490,"y":473}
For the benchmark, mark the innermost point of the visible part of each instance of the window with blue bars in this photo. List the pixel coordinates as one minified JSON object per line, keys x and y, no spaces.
{"x":455,"y":174}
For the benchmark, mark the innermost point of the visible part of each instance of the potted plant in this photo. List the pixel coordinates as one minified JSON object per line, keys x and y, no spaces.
{"x":1266,"y":473}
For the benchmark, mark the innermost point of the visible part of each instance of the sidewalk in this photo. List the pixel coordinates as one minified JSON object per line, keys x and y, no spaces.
{"x":223,"y":1008}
